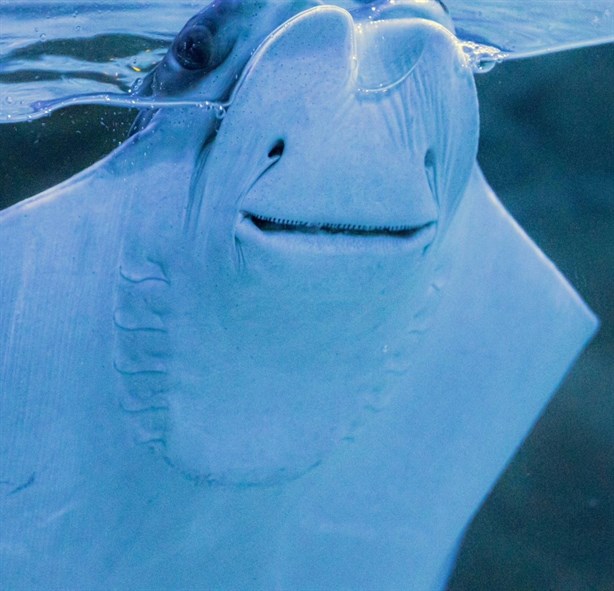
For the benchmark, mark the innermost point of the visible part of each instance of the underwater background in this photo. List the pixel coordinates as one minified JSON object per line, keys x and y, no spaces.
{"x":547,"y":148}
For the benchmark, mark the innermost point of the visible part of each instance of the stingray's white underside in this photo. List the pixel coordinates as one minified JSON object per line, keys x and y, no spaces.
{"x":85,"y":507}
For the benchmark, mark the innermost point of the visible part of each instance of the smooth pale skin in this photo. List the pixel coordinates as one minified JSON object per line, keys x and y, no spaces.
{"x":326,"y":409}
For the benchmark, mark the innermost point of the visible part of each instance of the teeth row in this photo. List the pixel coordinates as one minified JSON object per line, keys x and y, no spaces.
{"x":342,"y":227}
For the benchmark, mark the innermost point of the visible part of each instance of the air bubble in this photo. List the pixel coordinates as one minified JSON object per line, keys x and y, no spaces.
{"x":136,"y":85}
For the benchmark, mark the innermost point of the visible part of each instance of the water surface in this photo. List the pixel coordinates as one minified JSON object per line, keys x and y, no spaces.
{"x":58,"y":50}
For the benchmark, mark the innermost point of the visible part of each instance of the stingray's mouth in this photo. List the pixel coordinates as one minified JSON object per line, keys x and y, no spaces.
{"x":337,"y":233}
{"x":265,"y":224}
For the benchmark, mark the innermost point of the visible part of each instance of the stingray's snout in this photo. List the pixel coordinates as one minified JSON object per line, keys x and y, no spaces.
{"x":394,"y":111}
{"x":345,"y":131}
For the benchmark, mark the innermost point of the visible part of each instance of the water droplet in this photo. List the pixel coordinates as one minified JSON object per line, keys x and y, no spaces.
{"x":482,"y":58}
{"x":9,"y":100}
{"x":484,"y":66}
{"x":42,"y":37}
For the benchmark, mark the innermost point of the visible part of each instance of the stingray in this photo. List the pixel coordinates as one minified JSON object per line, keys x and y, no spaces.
{"x":286,"y":343}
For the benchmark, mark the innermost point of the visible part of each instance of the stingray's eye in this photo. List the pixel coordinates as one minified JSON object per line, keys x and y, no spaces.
{"x":195,"y":48}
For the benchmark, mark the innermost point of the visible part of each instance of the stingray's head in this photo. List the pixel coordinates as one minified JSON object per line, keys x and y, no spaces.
{"x":309,"y":251}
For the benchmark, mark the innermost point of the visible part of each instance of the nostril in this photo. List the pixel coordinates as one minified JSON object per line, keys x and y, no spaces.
{"x":429,"y":159}
{"x":277,"y":150}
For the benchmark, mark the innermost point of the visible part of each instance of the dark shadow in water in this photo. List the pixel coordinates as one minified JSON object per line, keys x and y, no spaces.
{"x":98,"y":48}
{"x":41,"y":153}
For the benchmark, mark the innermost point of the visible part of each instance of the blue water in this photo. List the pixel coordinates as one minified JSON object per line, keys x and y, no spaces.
{"x":546,"y":148}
